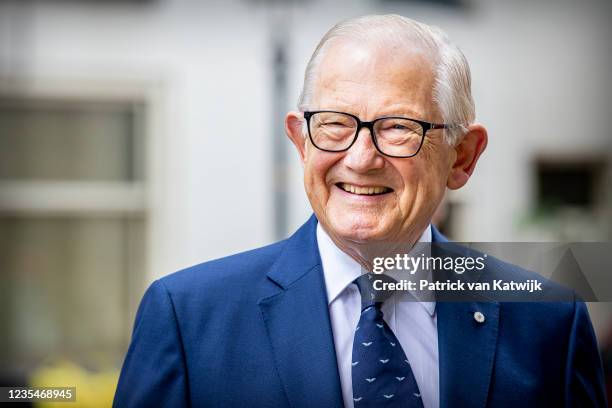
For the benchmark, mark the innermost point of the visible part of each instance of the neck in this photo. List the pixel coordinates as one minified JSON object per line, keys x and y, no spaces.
{"x":364,"y":253}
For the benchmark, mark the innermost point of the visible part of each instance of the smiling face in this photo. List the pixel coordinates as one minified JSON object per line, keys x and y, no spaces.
{"x":360,"y":196}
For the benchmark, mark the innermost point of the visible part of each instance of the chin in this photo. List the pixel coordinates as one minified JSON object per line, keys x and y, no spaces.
{"x":360,"y":230}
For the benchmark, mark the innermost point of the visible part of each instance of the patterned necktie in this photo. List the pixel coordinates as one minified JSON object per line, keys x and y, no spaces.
{"x":381,"y":373}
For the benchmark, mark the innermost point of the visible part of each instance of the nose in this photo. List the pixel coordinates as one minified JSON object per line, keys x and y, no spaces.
{"x":363,"y":156}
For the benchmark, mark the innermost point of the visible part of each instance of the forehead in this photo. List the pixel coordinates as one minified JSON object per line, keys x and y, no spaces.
{"x":365,"y":79}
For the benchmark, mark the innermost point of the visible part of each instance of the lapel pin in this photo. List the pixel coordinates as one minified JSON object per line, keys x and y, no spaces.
{"x":479,"y":317}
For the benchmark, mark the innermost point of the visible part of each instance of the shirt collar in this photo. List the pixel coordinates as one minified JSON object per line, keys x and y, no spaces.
{"x":340,"y":270}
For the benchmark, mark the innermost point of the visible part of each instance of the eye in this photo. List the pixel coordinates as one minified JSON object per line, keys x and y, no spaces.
{"x":398,"y":126}
{"x":395,"y":126}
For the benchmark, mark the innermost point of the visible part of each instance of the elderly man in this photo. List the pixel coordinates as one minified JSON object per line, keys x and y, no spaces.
{"x":385,"y":125}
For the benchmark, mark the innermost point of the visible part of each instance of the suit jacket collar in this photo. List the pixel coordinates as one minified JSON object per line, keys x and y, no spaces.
{"x":436,"y":236}
{"x":298,"y":257}
{"x":296,"y":316}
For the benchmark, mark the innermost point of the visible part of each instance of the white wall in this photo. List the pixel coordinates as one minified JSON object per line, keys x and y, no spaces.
{"x":206,"y":68}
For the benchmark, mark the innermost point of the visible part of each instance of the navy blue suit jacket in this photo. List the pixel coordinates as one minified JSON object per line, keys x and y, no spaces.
{"x":253,"y":330}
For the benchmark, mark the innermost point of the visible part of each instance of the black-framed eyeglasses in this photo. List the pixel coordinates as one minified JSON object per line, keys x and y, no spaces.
{"x":393,"y":136}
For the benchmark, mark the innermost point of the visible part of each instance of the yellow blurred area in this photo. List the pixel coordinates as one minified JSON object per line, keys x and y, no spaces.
{"x":93,"y":388}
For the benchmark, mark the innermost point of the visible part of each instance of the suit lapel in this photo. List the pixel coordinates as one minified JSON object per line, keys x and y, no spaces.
{"x":297,"y":320}
{"x":466,"y":352}
{"x":466,"y":349}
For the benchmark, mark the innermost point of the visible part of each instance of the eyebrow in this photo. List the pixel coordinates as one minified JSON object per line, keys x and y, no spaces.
{"x":399,"y":113}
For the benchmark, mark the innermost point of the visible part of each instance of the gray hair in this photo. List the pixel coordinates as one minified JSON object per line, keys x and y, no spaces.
{"x":452,"y":82}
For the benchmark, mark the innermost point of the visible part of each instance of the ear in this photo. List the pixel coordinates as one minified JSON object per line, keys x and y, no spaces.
{"x":293,"y":128}
{"x":467,"y":153}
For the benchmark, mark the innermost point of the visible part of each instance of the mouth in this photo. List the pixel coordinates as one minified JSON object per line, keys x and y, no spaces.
{"x":364,"y":190}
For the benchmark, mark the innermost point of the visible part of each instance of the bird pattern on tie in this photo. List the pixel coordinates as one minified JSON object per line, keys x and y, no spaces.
{"x":381,"y":373}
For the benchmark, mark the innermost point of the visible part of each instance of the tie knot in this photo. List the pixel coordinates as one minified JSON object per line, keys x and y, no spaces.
{"x":369,"y":295}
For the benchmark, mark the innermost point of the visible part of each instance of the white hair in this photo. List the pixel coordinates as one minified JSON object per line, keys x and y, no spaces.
{"x":452,"y":81}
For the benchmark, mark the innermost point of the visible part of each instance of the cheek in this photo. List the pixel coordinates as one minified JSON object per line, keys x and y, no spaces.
{"x":415,"y":174}
{"x":437,"y":171}
{"x":316,"y":170}
{"x":424,"y":179}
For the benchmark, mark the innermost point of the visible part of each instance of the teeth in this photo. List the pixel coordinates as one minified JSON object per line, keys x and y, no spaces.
{"x":362,"y":190}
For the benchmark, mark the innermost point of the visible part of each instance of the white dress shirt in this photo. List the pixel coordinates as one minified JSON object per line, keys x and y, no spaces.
{"x":413,"y":323}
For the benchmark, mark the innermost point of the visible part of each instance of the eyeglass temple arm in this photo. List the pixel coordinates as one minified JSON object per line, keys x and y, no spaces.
{"x":440,"y":126}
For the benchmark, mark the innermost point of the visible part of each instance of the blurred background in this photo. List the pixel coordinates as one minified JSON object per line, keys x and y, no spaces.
{"x":139,"y":137}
